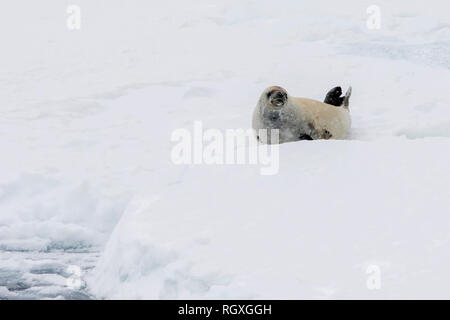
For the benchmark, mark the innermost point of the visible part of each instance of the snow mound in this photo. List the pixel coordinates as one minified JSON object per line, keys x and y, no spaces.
{"x":309,"y":232}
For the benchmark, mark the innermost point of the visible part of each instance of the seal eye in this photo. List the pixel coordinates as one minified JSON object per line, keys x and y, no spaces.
{"x":270,"y":93}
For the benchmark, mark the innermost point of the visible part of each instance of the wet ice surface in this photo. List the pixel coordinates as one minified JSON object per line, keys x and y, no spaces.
{"x":56,"y":274}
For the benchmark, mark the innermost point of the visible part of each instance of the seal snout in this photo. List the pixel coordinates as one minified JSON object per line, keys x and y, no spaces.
{"x":277,"y":97}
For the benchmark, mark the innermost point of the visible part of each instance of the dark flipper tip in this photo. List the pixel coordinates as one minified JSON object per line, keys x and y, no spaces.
{"x":334,"y":98}
{"x":305,"y":137}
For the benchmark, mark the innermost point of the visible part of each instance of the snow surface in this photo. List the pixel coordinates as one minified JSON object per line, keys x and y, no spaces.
{"x":85,"y":125}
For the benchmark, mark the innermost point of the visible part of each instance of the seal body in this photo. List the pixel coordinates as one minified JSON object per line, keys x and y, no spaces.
{"x":300,"y":118}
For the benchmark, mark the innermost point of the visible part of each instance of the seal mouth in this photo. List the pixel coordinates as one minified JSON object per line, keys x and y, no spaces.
{"x":277,"y":102}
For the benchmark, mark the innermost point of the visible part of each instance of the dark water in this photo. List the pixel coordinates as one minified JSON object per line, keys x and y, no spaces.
{"x":56,"y":274}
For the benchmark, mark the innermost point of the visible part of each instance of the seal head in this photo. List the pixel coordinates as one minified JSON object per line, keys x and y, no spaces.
{"x":273,"y":103}
{"x":276,"y":96}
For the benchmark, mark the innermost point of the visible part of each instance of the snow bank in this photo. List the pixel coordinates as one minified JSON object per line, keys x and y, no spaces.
{"x":309,"y":232}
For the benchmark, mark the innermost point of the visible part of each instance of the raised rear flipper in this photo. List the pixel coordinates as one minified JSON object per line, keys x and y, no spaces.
{"x":334,"y":98}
